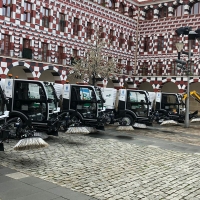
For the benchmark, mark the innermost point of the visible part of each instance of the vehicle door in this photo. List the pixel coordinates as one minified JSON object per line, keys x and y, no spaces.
{"x":52,"y":98}
{"x":30,"y":98}
{"x":138,"y":103}
{"x":84,"y":100}
{"x":170,"y":102}
{"x":3,"y":111}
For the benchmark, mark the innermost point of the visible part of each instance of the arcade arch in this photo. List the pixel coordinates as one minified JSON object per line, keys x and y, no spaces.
{"x":170,"y":87}
{"x":21,"y":72}
{"x":194,"y":105}
{"x":146,"y":86}
{"x":50,"y":75}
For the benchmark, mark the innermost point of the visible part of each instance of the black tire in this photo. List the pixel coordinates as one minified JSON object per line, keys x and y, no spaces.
{"x":63,"y":126}
{"x":11,"y":127}
{"x":108,"y":119}
{"x":128,"y":119}
{"x":73,"y":119}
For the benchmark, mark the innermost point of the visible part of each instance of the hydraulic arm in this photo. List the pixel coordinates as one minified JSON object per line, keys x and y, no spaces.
{"x":194,"y":94}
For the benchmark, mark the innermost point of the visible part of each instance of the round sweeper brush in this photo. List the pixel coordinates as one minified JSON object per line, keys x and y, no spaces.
{"x":168,"y":123}
{"x":124,"y":128}
{"x":91,"y":129}
{"x":195,"y":120}
{"x":79,"y":130}
{"x":138,"y":125}
{"x":41,"y":135}
{"x":30,"y":143}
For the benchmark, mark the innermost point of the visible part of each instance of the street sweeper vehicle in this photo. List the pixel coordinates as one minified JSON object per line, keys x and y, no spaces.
{"x":169,"y":106}
{"x":23,"y":133}
{"x":4,"y":132}
{"x":34,"y":101}
{"x":127,"y":106}
{"x":79,"y":105}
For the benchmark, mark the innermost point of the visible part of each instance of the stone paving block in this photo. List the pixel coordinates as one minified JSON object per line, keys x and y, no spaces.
{"x":4,"y":179}
{"x":5,"y":170}
{"x":101,"y":168}
{"x":5,"y":186}
{"x":66,"y":193}
{"x":44,"y":185}
{"x":19,"y":192}
{"x":17,"y":175}
{"x":93,"y":198}
{"x":31,"y":180}
{"x":40,"y":195}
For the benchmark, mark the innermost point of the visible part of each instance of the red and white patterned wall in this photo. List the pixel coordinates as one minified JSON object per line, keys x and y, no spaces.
{"x":91,"y":11}
{"x":85,"y":11}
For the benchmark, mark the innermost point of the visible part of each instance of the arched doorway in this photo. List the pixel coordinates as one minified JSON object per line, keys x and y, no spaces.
{"x":50,"y":75}
{"x":194,"y":105}
{"x":170,"y":88}
{"x":146,"y":86}
{"x":21,"y":72}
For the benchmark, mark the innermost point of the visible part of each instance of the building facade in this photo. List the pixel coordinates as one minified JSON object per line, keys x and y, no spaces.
{"x":156,"y":67}
{"x":40,"y":39}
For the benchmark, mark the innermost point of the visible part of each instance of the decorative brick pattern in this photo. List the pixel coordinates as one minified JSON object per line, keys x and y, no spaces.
{"x":98,"y":15}
{"x":85,"y":11}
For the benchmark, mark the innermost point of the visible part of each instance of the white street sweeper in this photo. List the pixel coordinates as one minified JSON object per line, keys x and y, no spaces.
{"x":24,"y":133}
{"x":79,"y":104}
{"x":34,"y":101}
{"x":170,"y":106}
{"x":4,"y":132}
{"x":127,"y":106}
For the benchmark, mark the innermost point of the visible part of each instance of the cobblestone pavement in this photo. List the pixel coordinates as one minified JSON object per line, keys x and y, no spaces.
{"x":176,"y":133}
{"x":109,"y":169}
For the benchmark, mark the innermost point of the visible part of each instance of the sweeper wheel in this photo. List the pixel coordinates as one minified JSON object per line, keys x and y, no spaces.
{"x":11,"y":127}
{"x":128,"y":119}
{"x":74,"y":120}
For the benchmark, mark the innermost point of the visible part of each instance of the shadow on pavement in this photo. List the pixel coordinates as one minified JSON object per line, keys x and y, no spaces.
{"x":61,"y":140}
{"x":124,"y":137}
{"x":105,"y":135}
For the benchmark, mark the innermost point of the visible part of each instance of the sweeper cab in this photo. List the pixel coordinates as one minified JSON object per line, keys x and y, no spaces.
{"x":4,"y":114}
{"x":169,"y":106}
{"x":126,"y":105}
{"x":35,"y":100}
{"x":80,"y":104}
{"x":170,"y":102}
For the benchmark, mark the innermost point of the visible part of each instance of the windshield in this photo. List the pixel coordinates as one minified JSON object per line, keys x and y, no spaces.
{"x":135,"y":96}
{"x":51,"y":95}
